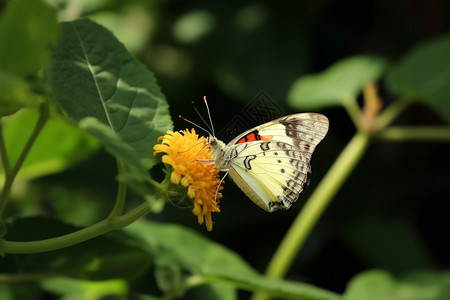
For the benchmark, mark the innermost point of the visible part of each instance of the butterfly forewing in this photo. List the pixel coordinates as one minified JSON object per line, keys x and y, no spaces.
{"x":303,"y":131}
{"x":271,"y":162}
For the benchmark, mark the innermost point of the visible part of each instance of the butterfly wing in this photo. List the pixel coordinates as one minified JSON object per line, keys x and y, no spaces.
{"x":271,"y":162}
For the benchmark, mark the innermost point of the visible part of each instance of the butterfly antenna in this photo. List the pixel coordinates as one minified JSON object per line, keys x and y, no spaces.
{"x":198,"y":113}
{"x":190,"y":148}
{"x":184,"y":119}
{"x":209,"y":115}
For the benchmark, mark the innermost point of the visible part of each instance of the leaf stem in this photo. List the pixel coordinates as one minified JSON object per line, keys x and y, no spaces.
{"x":353,"y":111}
{"x":190,"y":282}
{"x":121,"y":195}
{"x":314,"y":207}
{"x":416,"y":133}
{"x":76,"y":237}
{"x":392,"y":111}
{"x":269,"y":286}
{"x":11,"y":175}
{"x":3,"y":152}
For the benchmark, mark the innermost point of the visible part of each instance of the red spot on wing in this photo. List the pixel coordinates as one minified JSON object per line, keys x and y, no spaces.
{"x":266,"y":137}
{"x":254,"y":136}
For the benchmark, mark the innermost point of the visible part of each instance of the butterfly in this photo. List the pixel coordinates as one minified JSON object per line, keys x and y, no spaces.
{"x":271,"y":162}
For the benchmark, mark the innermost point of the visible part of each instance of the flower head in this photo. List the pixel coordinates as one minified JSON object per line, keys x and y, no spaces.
{"x":186,"y":153}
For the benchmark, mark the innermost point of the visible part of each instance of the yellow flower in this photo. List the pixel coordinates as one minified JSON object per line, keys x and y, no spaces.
{"x":185,"y":152}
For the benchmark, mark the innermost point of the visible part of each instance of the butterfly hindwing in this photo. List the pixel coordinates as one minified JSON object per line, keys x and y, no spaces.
{"x":270,"y":162}
{"x":276,"y":176}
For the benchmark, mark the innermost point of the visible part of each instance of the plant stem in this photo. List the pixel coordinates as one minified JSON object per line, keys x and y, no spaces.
{"x":76,"y":237}
{"x":314,"y":207}
{"x":416,"y":133}
{"x":190,"y":282}
{"x":392,"y":111}
{"x":11,"y":175}
{"x":3,"y":152}
{"x":121,"y":195}
{"x":305,"y":292}
{"x":353,"y":111}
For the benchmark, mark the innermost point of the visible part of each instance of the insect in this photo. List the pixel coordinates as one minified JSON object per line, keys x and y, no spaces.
{"x":271,"y":162}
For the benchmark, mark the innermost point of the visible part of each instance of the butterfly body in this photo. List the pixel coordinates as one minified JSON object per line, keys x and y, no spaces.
{"x":271,"y":162}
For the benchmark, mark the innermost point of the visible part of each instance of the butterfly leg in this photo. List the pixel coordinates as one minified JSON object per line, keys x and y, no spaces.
{"x":207,"y":162}
{"x":223,"y":177}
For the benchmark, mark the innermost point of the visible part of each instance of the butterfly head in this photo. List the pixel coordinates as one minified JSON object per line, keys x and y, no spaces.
{"x":216,"y":145}
{"x":211,"y":140}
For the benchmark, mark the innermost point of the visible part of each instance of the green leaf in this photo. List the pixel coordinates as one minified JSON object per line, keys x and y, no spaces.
{"x":19,"y":291}
{"x":382,"y":242}
{"x":93,"y":75}
{"x":6,"y":292}
{"x":58,"y":146}
{"x":27,"y":29}
{"x":192,"y":251}
{"x":424,"y":74}
{"x":133,"y":172}
{"x":340,"y":84}
{"x":213,"y":291}
{"x":101,"y":258}
{"x":378,"y":284}
{"x":15,"y":94}
{"x":116,"y":147}
{"x":199,"y":256}
{"x":371,"y":285}
{"x":80,"y":207}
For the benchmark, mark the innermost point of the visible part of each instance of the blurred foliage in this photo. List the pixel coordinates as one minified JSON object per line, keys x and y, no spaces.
{"x":391,"y":214}
{"x":423,"y":74}
{"x":64,"y":152}
{"x":339,"y":85}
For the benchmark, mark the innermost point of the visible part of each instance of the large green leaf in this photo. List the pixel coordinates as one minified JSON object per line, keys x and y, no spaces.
{"x":424,"y":74}
{"x":338,"y":85}
{"x":93,"y":75}
{"x":173,"y":245}
{"x":27,"y":28}
{"x":377,"y":284}
{"x":58,"y":146}
{"x":115,"y":146}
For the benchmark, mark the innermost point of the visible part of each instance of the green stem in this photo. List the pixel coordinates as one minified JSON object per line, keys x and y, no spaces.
{"x":392,"y":111}
{"x":314,"y":207}
{"x":190,"y":282}
{"x":3,"y":152}
{"x":77,"y":236}
{"x":353,"y":110}
{"x":121,"y":195}
{"x":10,"y":176}
{"x":269,"y":286}
{"x":416,"y":133}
